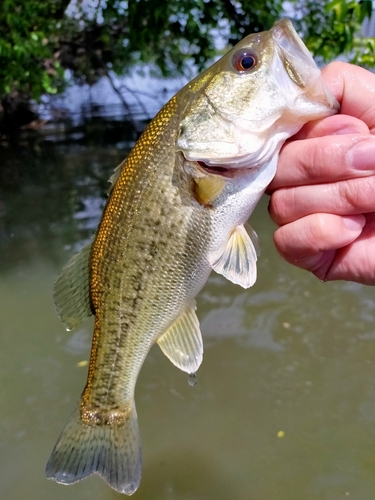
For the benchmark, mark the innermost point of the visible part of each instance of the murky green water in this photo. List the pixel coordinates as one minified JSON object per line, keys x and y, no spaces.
{"x":284,"y":408}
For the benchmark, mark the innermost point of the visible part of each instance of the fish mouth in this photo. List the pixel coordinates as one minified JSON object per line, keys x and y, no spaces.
{"x":300,"y":65}
{"x":287,"y":40}
{"x":229,"y":173}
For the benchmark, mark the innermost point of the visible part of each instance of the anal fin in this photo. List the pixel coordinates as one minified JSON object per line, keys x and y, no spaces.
{"x":182,"y":342}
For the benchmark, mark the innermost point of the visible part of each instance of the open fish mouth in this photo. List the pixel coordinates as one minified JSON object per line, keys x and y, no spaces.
{"x":228,"y":172}
{"x":300,"y":65}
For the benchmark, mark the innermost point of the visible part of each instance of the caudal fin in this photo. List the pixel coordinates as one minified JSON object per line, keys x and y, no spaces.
{"x":112,"y":451}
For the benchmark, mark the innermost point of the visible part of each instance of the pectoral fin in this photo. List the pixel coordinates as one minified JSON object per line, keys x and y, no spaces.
{"x":182,"y":342}
{"x":254,"y":238}
{"x":72,"y":290}
{"x":237,"y":259}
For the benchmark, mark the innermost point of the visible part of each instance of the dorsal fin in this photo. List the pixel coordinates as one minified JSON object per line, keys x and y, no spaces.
{"x":72,"y":290}
{"x":182,"y":342}
{"x":115,"y":176}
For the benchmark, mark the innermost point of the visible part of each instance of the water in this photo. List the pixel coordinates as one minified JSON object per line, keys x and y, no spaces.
{"x":285,"y":405}
{"x":192,"y":379}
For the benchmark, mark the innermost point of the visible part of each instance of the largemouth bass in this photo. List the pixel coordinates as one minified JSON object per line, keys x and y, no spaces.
{"x":177,"y":209}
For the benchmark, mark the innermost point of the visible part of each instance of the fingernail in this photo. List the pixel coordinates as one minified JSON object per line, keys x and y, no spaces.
{"x":361,"y":156}
{"x":354,"y":222}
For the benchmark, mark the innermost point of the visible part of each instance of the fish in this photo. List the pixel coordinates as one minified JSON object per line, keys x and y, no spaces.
{"x":177,"y":209}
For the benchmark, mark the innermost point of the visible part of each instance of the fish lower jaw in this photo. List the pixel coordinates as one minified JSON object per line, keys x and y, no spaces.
{"x":245,"y":159}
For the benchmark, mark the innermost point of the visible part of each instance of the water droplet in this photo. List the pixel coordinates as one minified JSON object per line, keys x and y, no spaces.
{"x":192,"y":379}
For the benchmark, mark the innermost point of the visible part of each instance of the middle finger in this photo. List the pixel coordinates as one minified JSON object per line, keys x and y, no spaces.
{"x":348,"y":197}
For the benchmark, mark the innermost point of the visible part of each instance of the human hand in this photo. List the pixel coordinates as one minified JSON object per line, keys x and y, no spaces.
{"x":323,"y":194}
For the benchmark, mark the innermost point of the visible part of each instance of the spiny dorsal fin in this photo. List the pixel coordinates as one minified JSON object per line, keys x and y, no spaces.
{"x":72,"y":290}
{"x":206,"y":189}
{"x":115,"y":176}
{"x":236,"y":261}
{"x":182,"y":342}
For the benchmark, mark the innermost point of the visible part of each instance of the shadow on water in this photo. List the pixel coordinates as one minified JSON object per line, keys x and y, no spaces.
{"x":284,"y":407}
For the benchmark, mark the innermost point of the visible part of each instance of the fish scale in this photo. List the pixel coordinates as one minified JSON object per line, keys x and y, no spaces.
{"x":128,"y":275}
{"x":177,"y":209}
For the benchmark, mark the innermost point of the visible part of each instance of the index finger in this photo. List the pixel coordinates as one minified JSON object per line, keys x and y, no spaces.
{"x":324,"y":159}
{"x":354,"y":88}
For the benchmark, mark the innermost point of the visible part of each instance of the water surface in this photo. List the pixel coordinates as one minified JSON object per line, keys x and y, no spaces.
{"x":284,"y":407}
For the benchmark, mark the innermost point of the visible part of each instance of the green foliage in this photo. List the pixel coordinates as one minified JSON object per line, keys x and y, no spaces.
{"x":29,"y":41}
{"x":364,"y":52}
{"x":168,"y":34}
{"x":40,"y":40}
{"x":172,"y":33}
{"x":333,"y":28}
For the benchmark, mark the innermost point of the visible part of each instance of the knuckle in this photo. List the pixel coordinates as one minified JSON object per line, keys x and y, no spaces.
{"x":315,"y":229}
{"x":281,"y":204}
{"x":356,"y":194}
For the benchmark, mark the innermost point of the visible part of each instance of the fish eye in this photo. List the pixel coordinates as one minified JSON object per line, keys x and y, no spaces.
{"x":244,"y":61}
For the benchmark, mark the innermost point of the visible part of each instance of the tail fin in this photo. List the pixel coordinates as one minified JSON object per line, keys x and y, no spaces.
{"x":112,"y":451}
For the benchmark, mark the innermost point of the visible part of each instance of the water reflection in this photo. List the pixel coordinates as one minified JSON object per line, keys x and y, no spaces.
{"x":52,"y":195}
{"x":284,"y":407}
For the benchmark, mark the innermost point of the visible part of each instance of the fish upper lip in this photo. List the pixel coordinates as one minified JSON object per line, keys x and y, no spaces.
{"x":293,"y":46}
{"x":288,"y":42}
